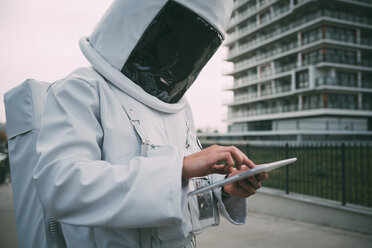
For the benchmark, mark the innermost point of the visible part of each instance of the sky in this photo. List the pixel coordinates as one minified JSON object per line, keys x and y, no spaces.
{"x":40,"y":40}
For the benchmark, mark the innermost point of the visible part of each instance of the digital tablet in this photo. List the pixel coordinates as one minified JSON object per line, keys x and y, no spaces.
{"x":257,"y":170}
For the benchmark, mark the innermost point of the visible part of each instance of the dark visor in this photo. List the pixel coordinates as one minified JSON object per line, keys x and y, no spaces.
{"x":171,"y":53}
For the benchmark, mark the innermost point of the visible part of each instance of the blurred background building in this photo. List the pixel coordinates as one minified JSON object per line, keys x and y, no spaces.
{"x":302,"y":71}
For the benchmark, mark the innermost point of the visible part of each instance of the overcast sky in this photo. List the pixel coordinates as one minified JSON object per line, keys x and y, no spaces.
{"x":39,"y":39}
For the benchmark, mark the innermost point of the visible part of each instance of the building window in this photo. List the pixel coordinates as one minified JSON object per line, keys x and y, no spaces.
{"x":342,"y":101}
{"x":340,"y":34}
{"x":367,"y":102}
{"x":366,"y":80}
{"x":370,"y":124}
{"x":266,"y":89}
{"x":312,"y":57}
{"x":260,"y":126}
{"x":282,"y":85}
{"x":264,"y":16}
{"x":344,"y":78}
{"x":330,"y":55}
{"x":302,"y":79}
{"x":311,"y":36}
{"x":340,"y":56}
{"x":312,"y":101}
{"x":265,"y":71}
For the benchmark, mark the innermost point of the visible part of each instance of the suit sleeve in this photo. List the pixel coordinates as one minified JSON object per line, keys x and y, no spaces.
{"x":233,"y":209}
{"x":76,"y":186}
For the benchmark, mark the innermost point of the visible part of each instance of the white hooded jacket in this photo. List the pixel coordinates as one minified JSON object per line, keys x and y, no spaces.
{"x":91,"y":175}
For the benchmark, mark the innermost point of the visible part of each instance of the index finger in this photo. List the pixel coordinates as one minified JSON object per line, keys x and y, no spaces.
{"x":243,"y":159}
{"x":249,"y":162}
{"x":236,"y":154}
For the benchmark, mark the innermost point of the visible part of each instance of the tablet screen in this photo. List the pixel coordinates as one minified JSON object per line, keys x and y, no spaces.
{"x":257,"y":170}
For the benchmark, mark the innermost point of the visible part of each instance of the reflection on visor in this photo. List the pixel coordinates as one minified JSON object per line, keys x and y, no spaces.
{"x":171,"y":53}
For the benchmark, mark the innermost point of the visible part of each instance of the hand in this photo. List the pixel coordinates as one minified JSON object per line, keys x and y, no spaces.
{"x":207,"y":161}
{"x":246,"y":187}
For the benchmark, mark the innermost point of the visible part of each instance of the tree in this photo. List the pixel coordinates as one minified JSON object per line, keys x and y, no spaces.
{"x":3,"y":138}
{"x":4,"y":164}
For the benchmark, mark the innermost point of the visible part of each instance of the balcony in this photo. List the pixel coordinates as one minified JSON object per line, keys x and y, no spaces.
{"x":342,"y":101}
{"x":242,"y":16}
{"x":281,"y":12}
{"x":312,"y":102}
{"x":266,"y":74}
{"x":292,"y":47}
{"x":307,"y":39}
{"x":278,"y":91}
{"x":256,"y":110}
{"x":286,"y":67}
{"x":342,"y":82}
{"x":274,"y":110}
{"x":251,"y":80}
{"x":239,"y":3}
{"x":251,"y":10}
{"x":282,"y":89}
{"x":331,"y":33}
{"x":243,"y":97}
{"x":337,"y":59}
{"x":245,"y":80}
{"x":247,"y":30}
{"x":306,"y":20}
{"x":334,"y":82}
{"x":244,"y":63}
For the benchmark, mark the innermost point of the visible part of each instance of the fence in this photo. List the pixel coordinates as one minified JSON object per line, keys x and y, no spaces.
{"x":336,"y":172}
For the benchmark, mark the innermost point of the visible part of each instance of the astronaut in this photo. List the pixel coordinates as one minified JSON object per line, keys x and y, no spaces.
{"x":118,"y":149}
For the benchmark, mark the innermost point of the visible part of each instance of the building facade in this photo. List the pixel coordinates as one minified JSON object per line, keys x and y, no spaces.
{"x":302,"y":71}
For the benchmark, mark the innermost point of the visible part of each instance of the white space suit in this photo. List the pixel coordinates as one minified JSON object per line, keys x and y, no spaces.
{"x":111,"y":147}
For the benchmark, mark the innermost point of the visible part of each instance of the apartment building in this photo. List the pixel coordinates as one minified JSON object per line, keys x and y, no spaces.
{"x":302,"y":71}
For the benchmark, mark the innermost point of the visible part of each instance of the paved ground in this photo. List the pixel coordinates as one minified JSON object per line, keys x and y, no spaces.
{"x":8,"y":237}
{"x":262,"y":231}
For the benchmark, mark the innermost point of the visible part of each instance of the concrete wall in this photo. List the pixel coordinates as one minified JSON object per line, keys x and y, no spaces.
{"x":311,"y":209}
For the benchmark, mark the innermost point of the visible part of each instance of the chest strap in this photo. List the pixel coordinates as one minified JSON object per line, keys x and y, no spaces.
{"x":134,"y":120}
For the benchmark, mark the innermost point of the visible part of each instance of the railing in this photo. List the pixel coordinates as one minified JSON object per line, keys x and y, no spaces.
{"x":246,"y":63}
{"x":256,"y":110}
{"x":337,"y":34}
{"x":336,"y":59}
{"x":281,"y":89}
{"x":251,"y":95}
{"x":328,"y":80}
{"x":337,"y":172}
{"x":334,"y":81}
{"x":240,"y":97}
{"x":286,"y":67}
{"x":245,"y":80}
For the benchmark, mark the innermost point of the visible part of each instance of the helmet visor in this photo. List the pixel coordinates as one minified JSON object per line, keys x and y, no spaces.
{"x":171,"y":52}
